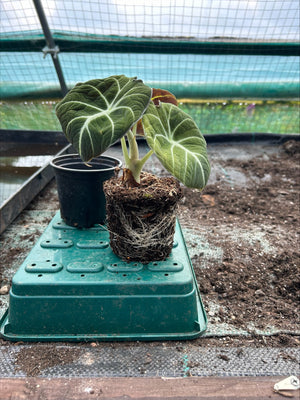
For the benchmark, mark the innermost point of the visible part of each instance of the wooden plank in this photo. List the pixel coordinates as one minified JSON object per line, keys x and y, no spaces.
{"x":210,"y":388}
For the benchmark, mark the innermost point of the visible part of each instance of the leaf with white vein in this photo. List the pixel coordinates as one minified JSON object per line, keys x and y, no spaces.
{"x":178,"y":143}
{"x":97,"y":113}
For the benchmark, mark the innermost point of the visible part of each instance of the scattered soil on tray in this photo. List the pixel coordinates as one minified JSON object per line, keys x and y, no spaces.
{"x":254,"y":284}
{"x":33,"y":360}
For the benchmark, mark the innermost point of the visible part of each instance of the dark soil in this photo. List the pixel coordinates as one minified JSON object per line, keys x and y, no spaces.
{"x":141,"y":220}
{"x":256,"y":284}
{"x":33,"y":360}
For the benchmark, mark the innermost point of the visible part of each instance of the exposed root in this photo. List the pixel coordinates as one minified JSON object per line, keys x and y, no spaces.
{"x":144,"y":234}
{"x":142,"y":226}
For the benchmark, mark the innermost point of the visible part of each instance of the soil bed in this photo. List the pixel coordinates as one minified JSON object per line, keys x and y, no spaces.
{"x":256,"y":282}
{"x":243,"y":240}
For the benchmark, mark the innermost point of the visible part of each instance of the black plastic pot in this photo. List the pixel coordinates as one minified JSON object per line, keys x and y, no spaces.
{"x":80,"y":188}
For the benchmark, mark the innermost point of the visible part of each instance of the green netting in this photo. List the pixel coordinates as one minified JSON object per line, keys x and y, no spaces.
{"x":201,"y":49}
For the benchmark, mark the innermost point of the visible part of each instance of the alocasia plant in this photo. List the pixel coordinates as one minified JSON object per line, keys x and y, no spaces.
{"x":97,"y":113}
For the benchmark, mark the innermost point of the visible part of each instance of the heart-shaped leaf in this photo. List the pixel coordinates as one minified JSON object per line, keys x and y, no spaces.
{"x":97,"y":113}
{"x":177,"y":142}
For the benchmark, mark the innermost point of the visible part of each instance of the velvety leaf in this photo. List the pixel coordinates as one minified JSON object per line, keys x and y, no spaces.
{"x":177,"y":142}
{"x":97,"y":113}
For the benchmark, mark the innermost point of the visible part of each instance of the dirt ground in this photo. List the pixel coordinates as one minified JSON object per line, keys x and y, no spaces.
{"x":257,"y":227}
{"x":255,"y":287}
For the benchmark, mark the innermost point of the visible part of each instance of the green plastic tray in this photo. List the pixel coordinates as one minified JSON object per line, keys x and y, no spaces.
{"x":72,"y":287}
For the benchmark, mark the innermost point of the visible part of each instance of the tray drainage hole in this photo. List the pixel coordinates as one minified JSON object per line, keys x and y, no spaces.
{"x":82,"y":275}
{"x":66,"y":241}
{"x":124,"y":274}
{"x":175,"y":263}
{"x":138,"y":279}
{"x":166,"y":274}
{"x":155,"y":264}
{"x":33,"y":265}
{"x":53,"y":265}
{"x":47,"y":241}
{"x":39,"y":275}
{"x":115,"y":265}
{"x":47,"y":260}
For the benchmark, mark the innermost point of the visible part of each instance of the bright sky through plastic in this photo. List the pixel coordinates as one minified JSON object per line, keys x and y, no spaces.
{"x":260,"y":19}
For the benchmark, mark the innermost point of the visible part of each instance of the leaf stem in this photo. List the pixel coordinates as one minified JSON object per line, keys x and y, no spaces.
{"x":133,"y":147}
{"x":125,"y":151}
{"x":132,"y":161}
{"x":146,"y":157}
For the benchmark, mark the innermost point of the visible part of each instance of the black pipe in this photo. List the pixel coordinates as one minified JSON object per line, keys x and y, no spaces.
{"x":51,"y":45}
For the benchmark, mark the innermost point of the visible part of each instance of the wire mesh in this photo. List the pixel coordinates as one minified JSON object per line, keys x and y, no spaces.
{"x":258,"y":20}
{"x":163,"y":22}
{"x":154,"y":40}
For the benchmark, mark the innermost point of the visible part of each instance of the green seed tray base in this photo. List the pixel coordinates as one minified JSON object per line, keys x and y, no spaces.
{"x":72,"y":287}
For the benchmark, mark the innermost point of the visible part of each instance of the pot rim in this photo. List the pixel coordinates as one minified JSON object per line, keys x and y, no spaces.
{"x":73,"y":155}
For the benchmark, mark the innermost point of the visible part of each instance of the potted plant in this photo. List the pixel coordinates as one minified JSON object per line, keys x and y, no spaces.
{"x":141,"y":208}
{"x":80,"y":188}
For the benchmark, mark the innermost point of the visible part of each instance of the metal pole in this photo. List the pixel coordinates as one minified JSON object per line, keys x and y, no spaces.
{"x":51,"y":47}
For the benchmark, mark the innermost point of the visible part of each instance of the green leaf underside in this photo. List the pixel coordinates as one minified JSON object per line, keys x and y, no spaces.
{"x":178,"y":143}
{"x":97,"y":113}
